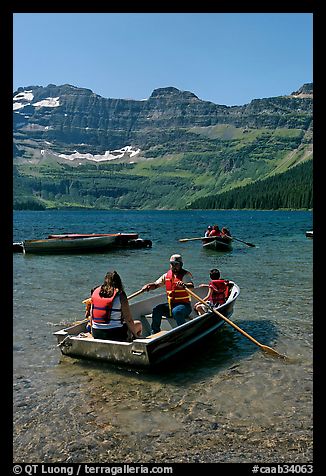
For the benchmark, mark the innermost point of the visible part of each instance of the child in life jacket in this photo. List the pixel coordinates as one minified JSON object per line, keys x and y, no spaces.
{"x":88,"y":306}
{"x":88,"y":309}
{"x":218,"y":292}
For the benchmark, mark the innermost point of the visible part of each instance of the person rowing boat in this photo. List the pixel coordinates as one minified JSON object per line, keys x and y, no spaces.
{"x":178,"y":303}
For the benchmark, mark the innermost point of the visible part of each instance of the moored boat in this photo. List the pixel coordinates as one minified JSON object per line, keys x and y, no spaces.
{"x":119,"y":237}
{"x":149,"y":350}
{"x":217,"y":243}
{"x":69,"y":244}
{"x":123,"y":240}
{"x":18,"y":247}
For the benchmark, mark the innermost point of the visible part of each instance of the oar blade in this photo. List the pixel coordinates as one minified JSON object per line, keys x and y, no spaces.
{"x":273,"y":352}
{"x":265,"y":348}
{"x":242,"y":241}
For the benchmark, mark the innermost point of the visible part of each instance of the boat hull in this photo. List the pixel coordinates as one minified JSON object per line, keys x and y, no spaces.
{"x":217,"y":244}
{"x":65,"y":245}
{"x":149,"y":350}
{"x":119,"y":237}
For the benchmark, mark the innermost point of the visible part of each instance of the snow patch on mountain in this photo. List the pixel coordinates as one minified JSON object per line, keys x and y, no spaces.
{"x":107,"y":156}
{"x":24,"y":95}
{"x":48,"y":102}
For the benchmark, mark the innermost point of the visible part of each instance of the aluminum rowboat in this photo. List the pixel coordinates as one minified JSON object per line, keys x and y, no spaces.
{"x":149,"y":350}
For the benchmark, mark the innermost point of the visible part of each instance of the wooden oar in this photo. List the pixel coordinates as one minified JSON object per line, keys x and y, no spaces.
{"x":89,"y":300}
{"x":193,"y":239}
{"x":265,"y":348}
{"x":182,"y":240}
{"x":237,"y":239}
{"x":135,"y":294}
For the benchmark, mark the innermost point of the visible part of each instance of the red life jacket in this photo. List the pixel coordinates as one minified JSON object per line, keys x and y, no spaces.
{"x":220,"y":291}
{"x":102,"y":307}
{"x":176,"y":295}
{"x":215,"y":233}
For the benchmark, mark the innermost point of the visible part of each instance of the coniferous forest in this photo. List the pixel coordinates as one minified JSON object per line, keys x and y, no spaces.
{"x":292,"y":189}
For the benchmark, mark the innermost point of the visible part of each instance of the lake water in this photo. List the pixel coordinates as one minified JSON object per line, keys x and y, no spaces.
{"x":226,"y":401}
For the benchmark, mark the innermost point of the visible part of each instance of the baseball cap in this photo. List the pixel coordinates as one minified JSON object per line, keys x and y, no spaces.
{"x":176,"y":259}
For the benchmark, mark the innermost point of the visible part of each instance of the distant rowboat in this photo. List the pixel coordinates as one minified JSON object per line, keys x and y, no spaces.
{"x":217,"y":243}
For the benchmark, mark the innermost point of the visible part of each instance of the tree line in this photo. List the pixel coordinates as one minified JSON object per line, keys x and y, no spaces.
{"x":292,"y":189}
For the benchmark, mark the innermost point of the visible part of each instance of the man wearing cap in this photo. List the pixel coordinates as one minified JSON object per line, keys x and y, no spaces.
{"x":209,"y":229}
{"x":179,"y":301}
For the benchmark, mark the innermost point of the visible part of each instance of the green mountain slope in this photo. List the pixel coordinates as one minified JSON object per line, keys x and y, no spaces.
{"x":180,"y":149}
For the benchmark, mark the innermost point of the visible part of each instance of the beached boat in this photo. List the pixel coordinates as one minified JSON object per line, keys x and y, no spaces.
{"x":69,"y":244}
{"x":217,"y":243}
{"x":149,"y":350}
{"x":309,"y":234}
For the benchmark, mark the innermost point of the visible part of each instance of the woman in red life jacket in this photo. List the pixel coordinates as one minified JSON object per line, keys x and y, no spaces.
{"x":225,"y":232}
{"x":110,"y":313}
{"x":215,"y":231}
{"x":218,"y":292}
{"x":179,"y":301}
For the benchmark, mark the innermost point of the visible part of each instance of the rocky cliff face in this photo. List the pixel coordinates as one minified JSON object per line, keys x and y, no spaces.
{"x":66,"y":119}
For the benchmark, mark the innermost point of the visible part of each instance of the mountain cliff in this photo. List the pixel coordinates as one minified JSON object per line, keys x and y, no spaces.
{"x":162,"y":152}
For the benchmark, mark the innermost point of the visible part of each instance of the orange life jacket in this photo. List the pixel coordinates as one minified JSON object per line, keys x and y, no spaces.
{"x":102,"y":307}
{"x":176,"y":295}
{"x":220,"y":291}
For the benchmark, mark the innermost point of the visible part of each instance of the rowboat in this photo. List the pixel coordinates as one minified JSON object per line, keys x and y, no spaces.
{"x":149,"y":350}
{"x":18,"y":247}
{"x":69,"y":244}
{"x":217,"y":243}
{"x":123,"y":240}
{"x":120,"y":238}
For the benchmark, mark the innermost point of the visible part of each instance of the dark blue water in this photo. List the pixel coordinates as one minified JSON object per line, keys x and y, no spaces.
{"x":227,"y":392}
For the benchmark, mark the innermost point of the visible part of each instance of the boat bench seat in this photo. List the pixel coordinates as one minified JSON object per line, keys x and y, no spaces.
{"x":167,"y":323}
{"x":152,"y":336}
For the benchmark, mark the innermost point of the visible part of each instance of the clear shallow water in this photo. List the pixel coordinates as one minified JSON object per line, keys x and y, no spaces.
{"x":226,"y":392}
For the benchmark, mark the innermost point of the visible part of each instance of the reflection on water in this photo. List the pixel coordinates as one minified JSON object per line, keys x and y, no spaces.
{"x":224,"y":400}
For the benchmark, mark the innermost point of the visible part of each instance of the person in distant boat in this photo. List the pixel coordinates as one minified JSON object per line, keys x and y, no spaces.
{"x":179,"y":301}
{"x":218,"y":292}
{"x":215,"y":231}
{"x":111,"y":318}
{"x":225,"y":231}
{"x":209,"y":229}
